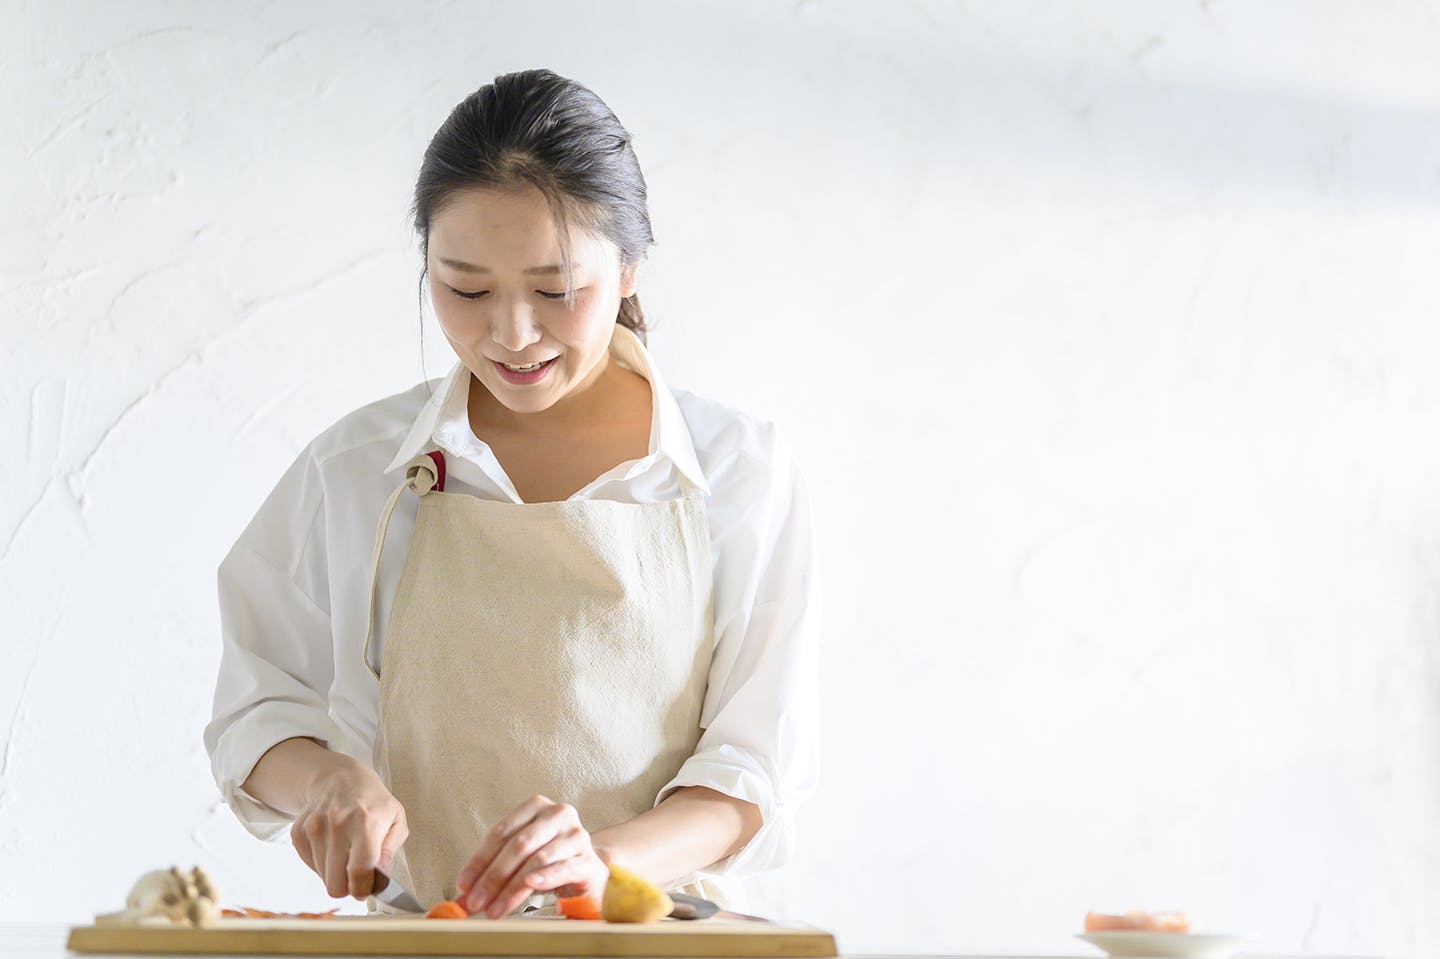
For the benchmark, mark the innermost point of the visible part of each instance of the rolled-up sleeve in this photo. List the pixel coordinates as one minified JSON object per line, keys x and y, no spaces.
{"x":761,"y":712}
{"x":276,"y":661}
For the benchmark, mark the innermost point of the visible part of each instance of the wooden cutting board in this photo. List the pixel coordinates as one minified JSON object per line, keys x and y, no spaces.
{"x":404,"y":936}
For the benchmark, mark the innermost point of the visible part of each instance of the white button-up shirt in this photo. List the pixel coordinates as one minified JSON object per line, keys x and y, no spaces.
{"x":293,"y":592}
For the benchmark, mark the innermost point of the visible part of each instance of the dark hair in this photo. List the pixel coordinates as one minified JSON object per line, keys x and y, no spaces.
{"x":534,"y":127}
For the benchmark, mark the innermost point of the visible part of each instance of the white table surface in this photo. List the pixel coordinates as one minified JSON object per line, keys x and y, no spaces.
{"x":42,"y":940}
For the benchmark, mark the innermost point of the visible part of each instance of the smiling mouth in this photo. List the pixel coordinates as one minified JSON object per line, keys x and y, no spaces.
{"x":528,"y":368}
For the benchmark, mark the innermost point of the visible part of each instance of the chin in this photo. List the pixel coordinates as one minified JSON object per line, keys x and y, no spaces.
{"x":528,"y":404}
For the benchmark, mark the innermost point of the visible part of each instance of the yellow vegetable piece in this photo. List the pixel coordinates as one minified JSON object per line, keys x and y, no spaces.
{"x":628,"y":898}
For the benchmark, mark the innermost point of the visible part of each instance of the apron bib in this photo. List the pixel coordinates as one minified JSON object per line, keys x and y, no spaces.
{"x":559,"y":648}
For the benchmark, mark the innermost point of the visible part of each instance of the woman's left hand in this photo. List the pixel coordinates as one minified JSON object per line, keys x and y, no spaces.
{"x":538,"y":847}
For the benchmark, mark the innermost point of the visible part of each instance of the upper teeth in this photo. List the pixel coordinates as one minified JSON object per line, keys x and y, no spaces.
{"x":522,"y":369}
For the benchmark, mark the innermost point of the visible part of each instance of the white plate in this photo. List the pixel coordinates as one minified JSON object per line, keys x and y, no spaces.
{"x":1136,"y":944}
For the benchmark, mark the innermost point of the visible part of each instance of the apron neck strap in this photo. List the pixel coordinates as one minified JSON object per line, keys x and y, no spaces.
{"x":424,"y":473}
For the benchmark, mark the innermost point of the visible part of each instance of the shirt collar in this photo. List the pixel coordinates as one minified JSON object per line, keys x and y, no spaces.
{"x":447,"y":410}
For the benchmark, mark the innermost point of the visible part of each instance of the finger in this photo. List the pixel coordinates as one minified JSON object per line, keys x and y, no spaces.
{"x":337,"y":860}
{"x":577,"y":876}
{"x":317,"y":836}
{"x":394,"y":839}
{"x":301,"y":842}
{"x":495,"y":838}
{"x":360,"y":864}
{"x":498,"y":874}
{"x":568,"y":844}
{"x":549,"y":824}
{"x":511,"y":895}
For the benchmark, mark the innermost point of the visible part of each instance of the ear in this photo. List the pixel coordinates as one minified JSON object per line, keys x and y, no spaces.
{"x":628,"y":279}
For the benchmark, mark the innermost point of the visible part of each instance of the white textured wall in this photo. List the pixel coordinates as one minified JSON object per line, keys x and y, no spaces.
{"x":1107,"y":334}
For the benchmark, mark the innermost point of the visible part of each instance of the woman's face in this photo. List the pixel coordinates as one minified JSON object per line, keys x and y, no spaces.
{"x":498,"y":285}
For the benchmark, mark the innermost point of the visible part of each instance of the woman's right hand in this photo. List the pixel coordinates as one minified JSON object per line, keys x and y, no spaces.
{"x":350,"y":826}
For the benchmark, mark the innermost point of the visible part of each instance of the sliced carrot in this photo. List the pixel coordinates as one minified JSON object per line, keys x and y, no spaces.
{"x":579,"y":907}
{"x":449,"y":909}
{"x":245,"y":912}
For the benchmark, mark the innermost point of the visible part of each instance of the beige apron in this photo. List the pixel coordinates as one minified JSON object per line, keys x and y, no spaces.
{"x":559,"y":648}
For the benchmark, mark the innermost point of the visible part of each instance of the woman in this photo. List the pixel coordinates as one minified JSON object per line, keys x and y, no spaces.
{"x":599,"y":644}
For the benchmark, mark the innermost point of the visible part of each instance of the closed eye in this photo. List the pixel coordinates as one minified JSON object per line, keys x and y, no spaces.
{"x":479,"y":293}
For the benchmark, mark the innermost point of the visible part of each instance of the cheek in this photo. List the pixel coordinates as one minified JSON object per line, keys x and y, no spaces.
{"x":589,"y":324}
{"x":443,"y":304}
{"x":569,"y":332}
{"x":458,"y":319}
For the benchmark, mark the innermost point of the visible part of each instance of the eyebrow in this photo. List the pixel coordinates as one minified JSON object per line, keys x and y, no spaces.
{"x":464,"y":267}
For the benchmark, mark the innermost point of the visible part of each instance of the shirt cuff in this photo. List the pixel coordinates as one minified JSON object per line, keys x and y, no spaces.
{"x":242,"y":744}
{"x":741,"y":774}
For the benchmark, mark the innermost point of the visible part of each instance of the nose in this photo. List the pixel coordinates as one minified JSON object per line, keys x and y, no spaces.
{"x":513,"y":326}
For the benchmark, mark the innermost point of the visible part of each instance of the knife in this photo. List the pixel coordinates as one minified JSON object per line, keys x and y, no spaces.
{"x":393,"y":894}
{"x":693,"y":907}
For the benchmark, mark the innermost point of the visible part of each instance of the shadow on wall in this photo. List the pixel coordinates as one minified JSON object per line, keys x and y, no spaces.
{"x":937,"y":95}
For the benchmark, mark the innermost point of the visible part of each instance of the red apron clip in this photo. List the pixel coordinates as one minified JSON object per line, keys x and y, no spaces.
{"x":439,"y":459}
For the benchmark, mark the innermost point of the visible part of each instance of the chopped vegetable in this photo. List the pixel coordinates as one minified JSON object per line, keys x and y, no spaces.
{"x":579,"y":907}
{"x":245,"y":912}
{"x":629,"y":898}
{"x":449,"y":909}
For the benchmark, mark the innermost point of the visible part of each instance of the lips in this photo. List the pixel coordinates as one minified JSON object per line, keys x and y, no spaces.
{"x":524,"y":377}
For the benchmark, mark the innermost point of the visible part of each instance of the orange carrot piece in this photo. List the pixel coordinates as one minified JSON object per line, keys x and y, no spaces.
{"x":449,"y":909}
{"x":245,"y":912}
{"x":579,"y":907}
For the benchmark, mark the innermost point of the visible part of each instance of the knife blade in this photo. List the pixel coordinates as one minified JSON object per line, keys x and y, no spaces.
{"x":693,"y":907}
{"x":393,"y":894}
